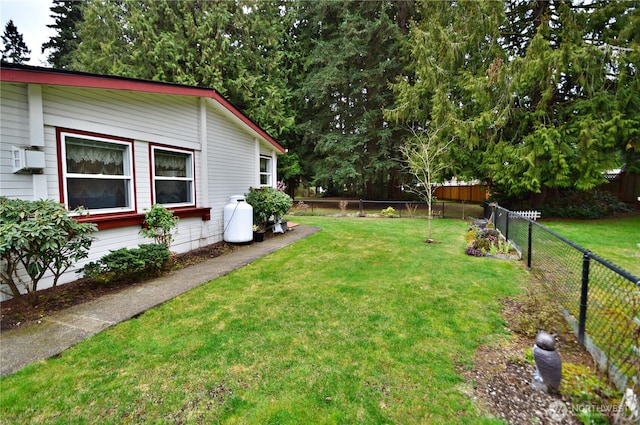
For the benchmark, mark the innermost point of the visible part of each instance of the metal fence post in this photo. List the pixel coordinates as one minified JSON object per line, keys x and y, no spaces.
{"x":584,"y":297}
{"x":506,"y":226}
{"x":360,"y":209}
{"x":529,"y":244}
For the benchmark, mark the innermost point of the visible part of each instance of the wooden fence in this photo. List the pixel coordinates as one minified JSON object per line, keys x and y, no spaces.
{"x":625,"y":186}
{"x":474,"y":193}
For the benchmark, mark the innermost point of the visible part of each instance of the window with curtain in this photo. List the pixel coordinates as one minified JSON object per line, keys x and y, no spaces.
{"x":265,"y":171}
{"x":97,"y":173}
{"x":173,"y":177}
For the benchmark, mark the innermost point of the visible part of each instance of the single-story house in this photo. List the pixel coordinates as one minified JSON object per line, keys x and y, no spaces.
{"x":119,"y":145}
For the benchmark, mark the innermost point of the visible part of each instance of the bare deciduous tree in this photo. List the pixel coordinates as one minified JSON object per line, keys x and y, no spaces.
{"x":425,"y":156}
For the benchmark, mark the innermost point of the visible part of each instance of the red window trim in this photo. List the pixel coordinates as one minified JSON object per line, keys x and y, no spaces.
{"x":122,"y":219}
{"x":61,"y":183}
{"x":152,"y":172}
{"x":112,"y":221}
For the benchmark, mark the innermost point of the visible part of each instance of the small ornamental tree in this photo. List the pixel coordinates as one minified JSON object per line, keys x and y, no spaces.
{"x":426,"y":159}
{"x":160,"y":225}
{"x":37,"y":237}
{"x":268,"y":204}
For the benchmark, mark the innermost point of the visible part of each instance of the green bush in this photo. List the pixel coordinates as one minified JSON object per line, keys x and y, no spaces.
{"x":389,"y":212}
{"x":39,"y":237}
{"x":583,"y":205}
{"x":268,"y":204}
{"x":129,"y":263}
{"x":159,"y":225}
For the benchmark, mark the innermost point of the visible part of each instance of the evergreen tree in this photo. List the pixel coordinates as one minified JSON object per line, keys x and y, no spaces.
{"x":269,"y":58}
{"x":14,"y":49}
{"x":66,"y":14}
{"x":244,"y":49}
{"x":234,"y":47}
{"x":542,"y":94}
{"x":354,"y":55}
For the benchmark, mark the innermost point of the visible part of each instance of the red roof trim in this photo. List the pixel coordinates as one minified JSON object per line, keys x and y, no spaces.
{"x":35,"y":75}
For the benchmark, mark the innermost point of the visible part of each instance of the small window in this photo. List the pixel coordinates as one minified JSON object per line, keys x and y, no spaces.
{"x":265,"y":171}
{"x":173,"y":177}
{"x":97,"y":173}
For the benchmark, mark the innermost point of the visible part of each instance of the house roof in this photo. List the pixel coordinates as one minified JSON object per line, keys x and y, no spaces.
{"x":14,"y":73}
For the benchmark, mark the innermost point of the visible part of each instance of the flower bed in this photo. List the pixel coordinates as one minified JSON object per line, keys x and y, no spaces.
{"x":489,"y":242}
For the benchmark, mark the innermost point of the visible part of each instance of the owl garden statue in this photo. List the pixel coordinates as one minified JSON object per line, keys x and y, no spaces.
{"x":548,"y":363}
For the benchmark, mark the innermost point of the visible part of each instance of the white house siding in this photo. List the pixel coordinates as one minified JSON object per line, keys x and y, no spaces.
{"x":230,"y":171}
{"x":157,"y":118}
{"x":143,"y":175}
{"x":14,"y":131}
{"x":230,"y":162}
{"x":51,"y":162}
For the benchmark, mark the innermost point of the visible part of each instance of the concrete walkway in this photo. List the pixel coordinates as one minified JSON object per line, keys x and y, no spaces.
{"x":54,"y":334}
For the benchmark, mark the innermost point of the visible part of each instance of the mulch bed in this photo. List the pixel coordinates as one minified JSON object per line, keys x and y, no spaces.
{"x":15,"y":313}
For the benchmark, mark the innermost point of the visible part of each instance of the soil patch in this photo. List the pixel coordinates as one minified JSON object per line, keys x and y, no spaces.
{"x":500,"y":379}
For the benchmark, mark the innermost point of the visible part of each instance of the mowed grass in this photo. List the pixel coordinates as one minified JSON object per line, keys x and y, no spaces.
{"x":616,"y":239}
{"x":360,"y":323}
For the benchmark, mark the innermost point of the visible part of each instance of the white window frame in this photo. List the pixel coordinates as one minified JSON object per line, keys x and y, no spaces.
{"x":128,"y":172}
{"x":268,"y":174}
{"x":190,"y":178}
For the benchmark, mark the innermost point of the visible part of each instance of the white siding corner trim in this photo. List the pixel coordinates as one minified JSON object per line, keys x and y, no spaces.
{"x":36,"y":115}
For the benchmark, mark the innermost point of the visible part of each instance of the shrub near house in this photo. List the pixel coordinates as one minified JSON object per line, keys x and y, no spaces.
{"x":268,"y":204}
{"x":128,"y":264}
{"x":135,"y":264}
{"x":37,"y":237}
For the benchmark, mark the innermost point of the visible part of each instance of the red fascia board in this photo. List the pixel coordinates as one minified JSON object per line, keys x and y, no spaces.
{"x":53,"y":78}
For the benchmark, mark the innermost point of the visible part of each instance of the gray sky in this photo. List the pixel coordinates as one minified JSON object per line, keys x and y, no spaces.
{"x":31,"y":17}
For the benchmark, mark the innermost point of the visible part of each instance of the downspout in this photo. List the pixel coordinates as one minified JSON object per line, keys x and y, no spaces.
{"x":274,"y":168}
{"x":36,"y":137}
{"x":203,"y":199}
{"x":256,"y":159}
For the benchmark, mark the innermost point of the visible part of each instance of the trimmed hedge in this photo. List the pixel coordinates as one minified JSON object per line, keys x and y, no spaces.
{"x":126,"y":263}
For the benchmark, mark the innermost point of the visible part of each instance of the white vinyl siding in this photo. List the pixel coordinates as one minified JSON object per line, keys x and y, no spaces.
{"x":229,"y":161}
{"x":14,"y":132}
{"x":162,"y":119}
{"x":231,"y":165}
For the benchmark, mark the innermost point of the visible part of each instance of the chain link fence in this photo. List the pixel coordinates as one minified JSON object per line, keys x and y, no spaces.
{"x":403,"y":209}
{"x":600,"y":301}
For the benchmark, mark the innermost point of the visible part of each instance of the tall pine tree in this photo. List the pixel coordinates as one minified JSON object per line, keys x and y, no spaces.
{"x":235,"y":47}
{"x":14,"y":49}
{"x":66,"y":14}
{"x":355,"y":53}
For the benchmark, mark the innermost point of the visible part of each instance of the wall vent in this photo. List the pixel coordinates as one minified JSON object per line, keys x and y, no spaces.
{"x":26,"y":160}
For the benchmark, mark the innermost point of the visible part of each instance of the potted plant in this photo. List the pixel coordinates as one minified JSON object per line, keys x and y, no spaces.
{"x":258,"y":234}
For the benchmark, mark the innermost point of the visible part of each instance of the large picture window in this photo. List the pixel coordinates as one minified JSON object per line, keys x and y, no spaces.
{"x":97,"y":173}
{"x":265,"y":171}
{"x":173,"y":177}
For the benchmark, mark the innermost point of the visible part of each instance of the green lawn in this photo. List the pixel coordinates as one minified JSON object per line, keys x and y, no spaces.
{"x":616,"y":239}
{"x":360,"y":323}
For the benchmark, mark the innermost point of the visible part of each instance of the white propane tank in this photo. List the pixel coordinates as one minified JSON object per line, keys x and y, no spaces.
{"x":238,"y":220}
